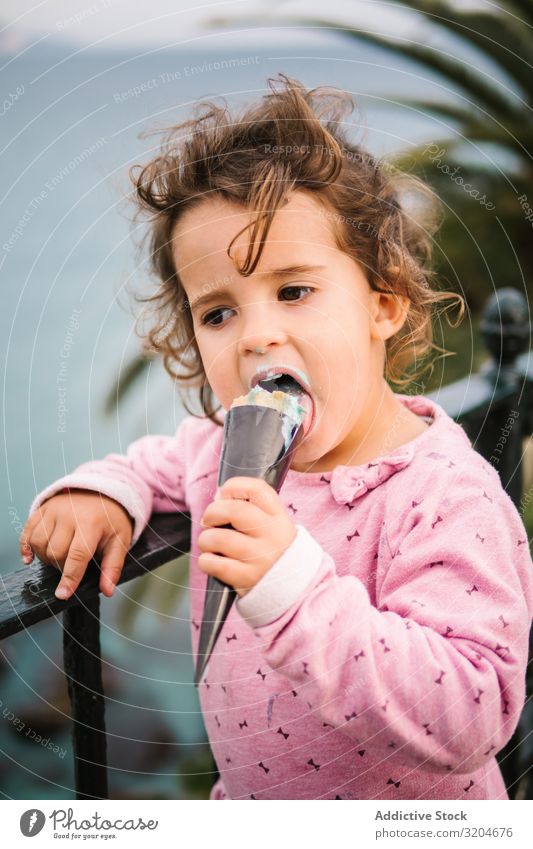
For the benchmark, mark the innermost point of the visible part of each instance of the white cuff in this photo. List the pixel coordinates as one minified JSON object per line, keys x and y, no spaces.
{"x":284,"y":582}
{"x":118,"y":490}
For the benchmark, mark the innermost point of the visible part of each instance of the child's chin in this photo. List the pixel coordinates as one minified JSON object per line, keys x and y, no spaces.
{"x":305,"y":455}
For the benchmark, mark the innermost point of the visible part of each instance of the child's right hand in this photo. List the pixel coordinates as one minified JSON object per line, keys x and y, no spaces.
{"x":69,"y":528}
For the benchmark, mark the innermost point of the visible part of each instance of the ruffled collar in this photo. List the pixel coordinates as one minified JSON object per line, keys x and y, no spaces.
{"x":348,"y":483}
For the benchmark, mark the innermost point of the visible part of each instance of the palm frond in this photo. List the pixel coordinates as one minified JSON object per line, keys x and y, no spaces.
{"x":412,"y":158}
{"x":499,"y":36}
{"x":460,"y":74}
{"x":452,"y":111}
{"x":124,"y":381}
{"x":515,"y":137}
{"x":439,"y":162}
{"x":523,"y":9}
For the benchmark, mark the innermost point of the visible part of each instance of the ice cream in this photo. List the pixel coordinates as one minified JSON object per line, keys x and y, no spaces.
{"x":283,"y":402}
{"x":261,"y":432}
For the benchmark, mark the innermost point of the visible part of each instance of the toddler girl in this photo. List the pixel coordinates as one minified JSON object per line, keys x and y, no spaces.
{"x":379,"y":642}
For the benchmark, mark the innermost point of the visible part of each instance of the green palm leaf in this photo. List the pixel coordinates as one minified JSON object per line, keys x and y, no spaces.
{"x":500,"y":36}
{"x":460,"y":74}
{"x":124,"y":381}
{"x":522,"y":9}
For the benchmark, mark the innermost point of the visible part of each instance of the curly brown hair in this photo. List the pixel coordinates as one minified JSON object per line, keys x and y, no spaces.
{"x":292,"y":139}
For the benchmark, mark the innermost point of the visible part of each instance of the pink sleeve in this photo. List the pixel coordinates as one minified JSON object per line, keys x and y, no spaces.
{"x":218,"y":791}
{"x":148,"y":478}
{"x":437,"y":668}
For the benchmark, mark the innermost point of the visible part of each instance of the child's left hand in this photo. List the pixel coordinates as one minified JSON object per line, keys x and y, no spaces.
{"x":261,"y":531}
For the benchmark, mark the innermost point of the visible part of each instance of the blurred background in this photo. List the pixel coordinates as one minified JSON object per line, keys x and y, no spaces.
{"x":444,"y":91}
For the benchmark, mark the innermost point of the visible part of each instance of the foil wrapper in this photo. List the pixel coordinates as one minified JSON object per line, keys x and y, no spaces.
{"x":259,"y":442}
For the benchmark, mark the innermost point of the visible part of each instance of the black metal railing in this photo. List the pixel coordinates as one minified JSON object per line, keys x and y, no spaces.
{"x":28,"y":597}
{"x":495,"y":407}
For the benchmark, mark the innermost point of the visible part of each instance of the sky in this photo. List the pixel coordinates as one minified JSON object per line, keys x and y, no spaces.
{"x":126,"y":25}
{"x":111,"y":24}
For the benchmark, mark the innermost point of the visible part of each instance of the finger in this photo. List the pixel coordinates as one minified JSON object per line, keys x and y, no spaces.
{"x":81,"y":550}
{"x":58,"y":547}
{"x":25,"y":547}
{"x":255,"y":490}
{"x":228,"y":543}
{"x":228,"y":571}
{"x":242,"y":515}
{"x":112,"y":564}
{"x":41,"y":535}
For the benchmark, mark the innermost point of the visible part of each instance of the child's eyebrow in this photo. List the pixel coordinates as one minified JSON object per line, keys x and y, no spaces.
{"x":303,"y":268}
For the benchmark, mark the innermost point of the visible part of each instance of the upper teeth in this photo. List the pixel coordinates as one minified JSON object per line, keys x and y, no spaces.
{"x":274,"y":375}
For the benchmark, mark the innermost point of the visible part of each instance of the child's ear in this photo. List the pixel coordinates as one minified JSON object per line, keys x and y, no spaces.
{"x":388,"y":314}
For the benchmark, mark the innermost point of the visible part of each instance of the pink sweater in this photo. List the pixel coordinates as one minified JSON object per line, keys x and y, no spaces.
{"x":383,"y":656}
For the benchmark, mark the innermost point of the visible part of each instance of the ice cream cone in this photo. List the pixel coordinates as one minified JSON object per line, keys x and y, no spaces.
{"x":259,"y":442}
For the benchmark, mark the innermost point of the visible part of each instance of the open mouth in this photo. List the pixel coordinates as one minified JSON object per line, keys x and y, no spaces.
{"x":281,"y":383}
{"x":287,"y":383}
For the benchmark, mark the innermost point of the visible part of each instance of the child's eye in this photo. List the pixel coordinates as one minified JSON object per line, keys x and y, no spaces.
{"x":295,"y":288}
{"x":211,"y":317}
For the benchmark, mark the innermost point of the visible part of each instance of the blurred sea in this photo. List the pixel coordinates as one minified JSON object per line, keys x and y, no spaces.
{"x":69,"y":132}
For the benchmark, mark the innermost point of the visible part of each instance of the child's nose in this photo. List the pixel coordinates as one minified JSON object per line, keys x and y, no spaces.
{"x":261,"y":343}
{"x":261,"y":332}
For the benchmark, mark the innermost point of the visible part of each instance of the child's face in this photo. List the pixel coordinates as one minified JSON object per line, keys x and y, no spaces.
{"x":334,"y":334}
